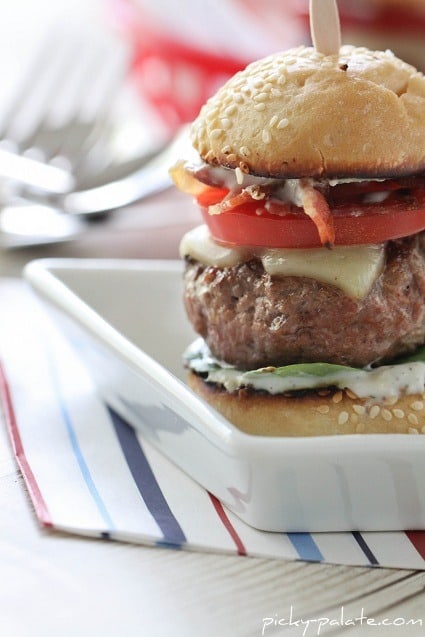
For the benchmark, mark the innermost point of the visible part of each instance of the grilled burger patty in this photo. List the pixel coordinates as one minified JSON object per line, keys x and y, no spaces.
{"x":250,"y":319}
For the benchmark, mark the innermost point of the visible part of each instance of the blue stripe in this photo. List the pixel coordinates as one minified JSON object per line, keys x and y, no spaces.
{"x":146,"y":482}
{"x":305,"y":546}
{"x":85,"y":472}
{"x":364,"y":547}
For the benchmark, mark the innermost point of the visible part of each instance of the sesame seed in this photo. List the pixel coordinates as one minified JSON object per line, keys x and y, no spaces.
{"x":216,"y":132}
{"x":244,"y":151}
{"x":239,"y":176}
{"x":238,"y":98}
{"x":323,"y":409}
{"x":260,"y":106}
{"x":261,"y":97}
{"x":226,"y":122}
{"x":230,"y":110}
{"x":343,"y":418}
{"x":374,"y":411}
{"x":417,"y":405}
{"x":337,"y":397}
{"x":359,"y":409}
{"x":386,"y":414}
{"x":237,"y":81}
{"x":350,"y":394}
{"x":412,"y":430}
{"x":226,"y":149}
{"x":266,"y":136}
{"x":273,"y":121}
{"x":272,"y":77}
{"x":413,"y":419}
{"x":398,"y":413}
{"x":276,"y":92}
{"x":283,"y":123}
{"x":258,"y":83}
{"x":231,"y":157}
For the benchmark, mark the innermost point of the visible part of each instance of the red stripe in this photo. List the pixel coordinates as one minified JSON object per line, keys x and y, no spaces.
{"x":12,"y":425}
{"x":228,"y":525}
{"x":418,"y":540}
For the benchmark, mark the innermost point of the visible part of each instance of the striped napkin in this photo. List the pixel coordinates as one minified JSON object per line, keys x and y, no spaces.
{"x":89,"y":473}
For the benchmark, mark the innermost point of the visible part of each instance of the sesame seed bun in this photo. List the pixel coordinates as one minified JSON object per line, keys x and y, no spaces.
{"x":313,"y":413}
{"x":300,"y":113}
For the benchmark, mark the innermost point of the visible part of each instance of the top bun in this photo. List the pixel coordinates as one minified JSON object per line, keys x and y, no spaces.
{"x":300,"y":113}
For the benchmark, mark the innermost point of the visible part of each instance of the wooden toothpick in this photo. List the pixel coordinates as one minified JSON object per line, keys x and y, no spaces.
{"x":324,"y":26}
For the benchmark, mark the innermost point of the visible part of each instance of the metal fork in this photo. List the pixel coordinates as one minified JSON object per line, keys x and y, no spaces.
{"x":63,"y":217}
{"x":54,"y":131}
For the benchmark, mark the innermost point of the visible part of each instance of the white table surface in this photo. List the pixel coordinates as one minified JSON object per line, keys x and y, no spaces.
{"x":52,"y":584}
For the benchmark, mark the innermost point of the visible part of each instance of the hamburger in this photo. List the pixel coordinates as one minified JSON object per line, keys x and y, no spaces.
{"x":306,"y":279}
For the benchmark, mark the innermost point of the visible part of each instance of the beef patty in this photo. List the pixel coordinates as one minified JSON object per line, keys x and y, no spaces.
{"x":250,"y":319}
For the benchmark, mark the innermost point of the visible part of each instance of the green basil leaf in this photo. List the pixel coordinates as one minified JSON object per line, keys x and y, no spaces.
{"x":319,"y":370}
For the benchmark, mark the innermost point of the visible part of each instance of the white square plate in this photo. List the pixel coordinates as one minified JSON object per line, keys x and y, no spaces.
{"x":127,"y":321}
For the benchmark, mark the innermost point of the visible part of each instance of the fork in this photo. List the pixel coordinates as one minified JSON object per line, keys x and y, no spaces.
{"x":62,"y":217}
{"x":55,"y":129}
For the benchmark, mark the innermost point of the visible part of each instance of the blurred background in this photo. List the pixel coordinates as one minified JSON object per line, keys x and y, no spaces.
{"x":183,"y":51}
{"x":159,"y":61}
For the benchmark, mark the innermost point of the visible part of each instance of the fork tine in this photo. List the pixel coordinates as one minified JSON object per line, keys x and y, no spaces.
{"x":92,"y":122}
{"x":56,"y":116}
{"x":68,"y":78}
{"x":64,"y":102}
{"x":80,"y":104}
{"x":95,"y":95}
{"x":26,"y":104}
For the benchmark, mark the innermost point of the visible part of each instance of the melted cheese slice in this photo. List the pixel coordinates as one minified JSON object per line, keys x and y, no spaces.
{"x":353,"y":269}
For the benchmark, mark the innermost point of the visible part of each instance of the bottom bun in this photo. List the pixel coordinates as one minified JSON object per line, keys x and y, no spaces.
{"x":313,"y":413}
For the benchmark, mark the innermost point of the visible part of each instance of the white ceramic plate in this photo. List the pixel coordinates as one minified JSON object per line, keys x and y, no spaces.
{"x":126,"y":319}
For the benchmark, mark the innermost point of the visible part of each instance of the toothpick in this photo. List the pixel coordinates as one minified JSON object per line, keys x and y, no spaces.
{"x":324,"y":26}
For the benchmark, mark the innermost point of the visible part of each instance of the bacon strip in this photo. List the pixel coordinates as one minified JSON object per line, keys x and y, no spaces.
{"x":230,"y":202}
{"x":317,"y":208}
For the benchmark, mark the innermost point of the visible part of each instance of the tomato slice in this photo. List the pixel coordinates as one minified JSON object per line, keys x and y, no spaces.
{"x":284,"y":226}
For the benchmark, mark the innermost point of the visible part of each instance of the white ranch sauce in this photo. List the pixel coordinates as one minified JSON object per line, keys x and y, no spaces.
{"x":384,"y":382}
